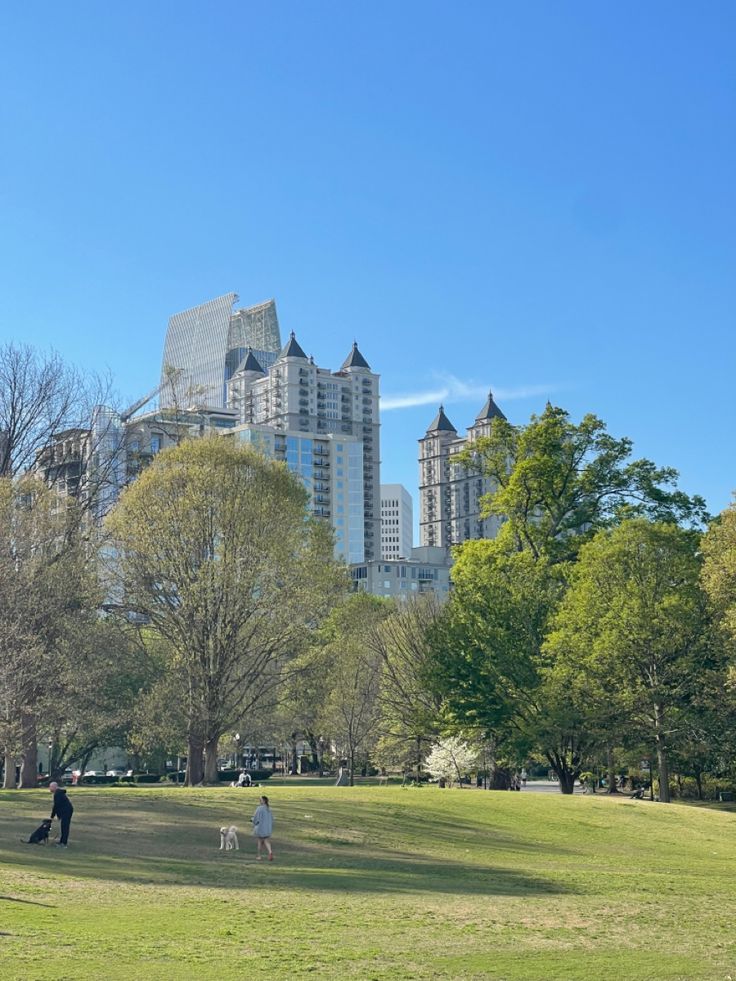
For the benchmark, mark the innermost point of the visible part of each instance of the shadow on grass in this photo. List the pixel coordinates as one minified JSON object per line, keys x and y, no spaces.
{"x":389,"y":847}
{"x":26,"y":902}
{"x":403,"y":873}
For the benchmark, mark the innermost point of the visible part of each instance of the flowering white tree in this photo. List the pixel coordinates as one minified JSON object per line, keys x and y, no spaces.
{"x":450,"y":759}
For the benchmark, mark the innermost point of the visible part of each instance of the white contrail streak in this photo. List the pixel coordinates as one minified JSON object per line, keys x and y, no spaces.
{"x":456,"y":390}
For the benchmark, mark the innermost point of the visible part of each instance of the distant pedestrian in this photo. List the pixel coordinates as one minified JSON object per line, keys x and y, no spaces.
{"x":62,"y":809}
{"x":263,"y":828}
{"x":523,"y":778}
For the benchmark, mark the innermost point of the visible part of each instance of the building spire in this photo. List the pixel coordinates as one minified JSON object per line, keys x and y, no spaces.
{"x":355,"y":359}
{"x":292,"y":349}
{"x":441,"y":423}
{"x":490,"y":410}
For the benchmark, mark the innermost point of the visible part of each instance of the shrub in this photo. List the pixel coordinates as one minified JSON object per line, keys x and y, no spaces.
{"x":98,"y":780}
{"x":255,"y":775}
{"x":228,"y":775}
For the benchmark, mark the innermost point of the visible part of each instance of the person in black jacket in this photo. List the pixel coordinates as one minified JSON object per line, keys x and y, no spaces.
{"x":63,"y":810}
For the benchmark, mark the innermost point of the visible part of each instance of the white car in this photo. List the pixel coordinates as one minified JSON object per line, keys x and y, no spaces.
{"x":116,"y":772}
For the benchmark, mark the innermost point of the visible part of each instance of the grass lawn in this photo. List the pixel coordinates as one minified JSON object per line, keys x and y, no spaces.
{"x":368,"y":883}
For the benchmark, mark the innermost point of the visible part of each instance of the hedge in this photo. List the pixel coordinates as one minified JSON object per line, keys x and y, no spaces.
{"x":255,"y":775}
{"x":223,"y":776}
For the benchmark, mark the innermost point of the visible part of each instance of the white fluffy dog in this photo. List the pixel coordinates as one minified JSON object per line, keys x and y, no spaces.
{"x":229,"y":838}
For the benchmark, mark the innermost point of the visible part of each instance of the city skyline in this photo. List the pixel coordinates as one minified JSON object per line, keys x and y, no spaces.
{"x":539,"y":202}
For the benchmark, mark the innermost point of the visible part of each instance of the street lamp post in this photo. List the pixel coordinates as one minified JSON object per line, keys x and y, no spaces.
{"x":237,"y":750}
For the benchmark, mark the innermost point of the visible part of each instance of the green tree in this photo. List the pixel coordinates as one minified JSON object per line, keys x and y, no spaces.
{"x":487,"y":645}
{"x":48,"y":598}
{"x":215,"y":548}
{"x":351,"y":712}
{"x":719,"y":568}
{"x":556,"y":483}
{"x":634,"y":620}
{"x":410,"y":705}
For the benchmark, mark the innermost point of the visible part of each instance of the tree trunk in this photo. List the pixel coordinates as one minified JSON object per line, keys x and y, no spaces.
{"x":29,"y":761}
{"x":566,"y":774}
{"x":352,"y":768}
{"x":662,"y":765}
{"x":567,"y":781}
{"x":210,"y":760}
{"x":699,"y":784}
{"x":195,"y":773}
{"x":611,"y":766}
{"x":9,"y":777}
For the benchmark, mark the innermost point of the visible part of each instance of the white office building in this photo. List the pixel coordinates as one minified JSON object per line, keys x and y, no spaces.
{"x":423,"y":570}
{"x":397,"y":517}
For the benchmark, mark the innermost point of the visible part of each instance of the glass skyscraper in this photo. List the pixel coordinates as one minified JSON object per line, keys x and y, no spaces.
{"x":205,"y":345}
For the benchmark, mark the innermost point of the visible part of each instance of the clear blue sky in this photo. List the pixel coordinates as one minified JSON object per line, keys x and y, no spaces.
{"x":537,"y":197}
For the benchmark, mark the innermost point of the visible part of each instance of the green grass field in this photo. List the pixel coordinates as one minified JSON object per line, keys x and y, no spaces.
{"x":368,"y":883}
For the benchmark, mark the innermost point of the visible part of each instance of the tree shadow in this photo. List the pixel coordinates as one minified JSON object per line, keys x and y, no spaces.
{"x":27,"y":902}
{"x":296,"y":868}
{"x":174,"y":841}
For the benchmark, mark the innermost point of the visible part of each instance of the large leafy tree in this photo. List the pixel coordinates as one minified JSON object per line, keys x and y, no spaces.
{"x":488,"y":665}
{"x":557,"y":482}
{"x":719,"y":568}
{"x":410,"y":704}
{"x":634,"y":621}
{"x":48,"y":595}
{"x":351,"y":712}
{"x":487,"y":646}
{"x":215,"y":548}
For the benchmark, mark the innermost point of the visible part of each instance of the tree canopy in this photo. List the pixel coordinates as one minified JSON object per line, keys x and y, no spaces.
{"x":556,"y":482}
{"x":215,"y":548}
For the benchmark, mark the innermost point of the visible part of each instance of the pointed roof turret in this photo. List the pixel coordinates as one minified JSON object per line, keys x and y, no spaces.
{"x":250,"y":363}
{"x":441,"y":423}
{"x":292,"y":349}
{"x":355,"y":359}
{"x":490,"y":410}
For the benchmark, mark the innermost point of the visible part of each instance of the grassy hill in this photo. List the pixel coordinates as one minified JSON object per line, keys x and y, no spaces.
{"x":368,"y":883}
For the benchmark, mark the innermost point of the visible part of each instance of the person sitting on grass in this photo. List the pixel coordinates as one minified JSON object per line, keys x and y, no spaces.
{"x":62,"y":809}
{"x":263,"y":827}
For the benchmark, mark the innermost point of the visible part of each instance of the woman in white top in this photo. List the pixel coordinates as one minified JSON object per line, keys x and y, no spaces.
{"x":263,"y":827}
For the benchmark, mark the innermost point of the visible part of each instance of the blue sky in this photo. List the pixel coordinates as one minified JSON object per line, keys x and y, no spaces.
{"x":538,"y":198}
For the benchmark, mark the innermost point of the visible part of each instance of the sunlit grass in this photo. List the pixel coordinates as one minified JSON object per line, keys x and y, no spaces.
{"x":368,"y":883}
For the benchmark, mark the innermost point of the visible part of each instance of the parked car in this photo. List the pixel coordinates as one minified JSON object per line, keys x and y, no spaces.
{"x":116,"y":772}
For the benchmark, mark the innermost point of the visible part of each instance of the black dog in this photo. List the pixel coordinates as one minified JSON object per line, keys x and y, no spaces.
{"x":41,"y":835}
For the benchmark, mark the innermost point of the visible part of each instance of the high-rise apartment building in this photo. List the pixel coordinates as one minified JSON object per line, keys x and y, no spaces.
{"x":331,"y":469}
{"x":224,"y":372}
{"x":397,"y":517}
{"x":205,"y":345}
{"x":449,"y":493}
{"x":325,"y":425}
